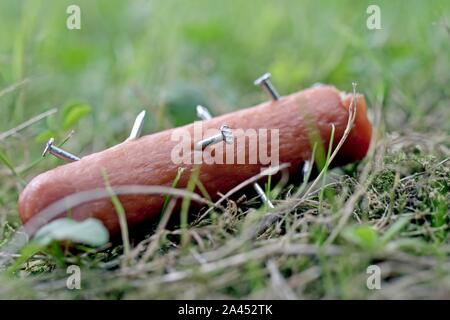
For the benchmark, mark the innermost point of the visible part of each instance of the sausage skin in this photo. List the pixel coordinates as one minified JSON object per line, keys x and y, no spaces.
{"x":147,"y":160}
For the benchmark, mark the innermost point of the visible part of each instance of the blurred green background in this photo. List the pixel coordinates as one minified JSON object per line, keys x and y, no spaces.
{"x":168,"y":56}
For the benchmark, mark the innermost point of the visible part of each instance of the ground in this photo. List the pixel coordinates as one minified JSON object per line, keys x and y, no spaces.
{"x":387,"y":213}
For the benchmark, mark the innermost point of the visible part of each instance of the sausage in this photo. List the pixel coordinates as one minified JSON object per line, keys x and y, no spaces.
{"x":149,"y":160}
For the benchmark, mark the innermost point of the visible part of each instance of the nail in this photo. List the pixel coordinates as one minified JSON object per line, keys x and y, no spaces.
{"x":58,"y":152}
{"x":203,"y":113}
{"x":225,"y":135}
{"x":266,"y":85}
{"x":137,"y":126}
{"x":263,"y":195}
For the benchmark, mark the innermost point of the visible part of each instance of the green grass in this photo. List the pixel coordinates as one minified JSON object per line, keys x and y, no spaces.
{"x":392,"y":209}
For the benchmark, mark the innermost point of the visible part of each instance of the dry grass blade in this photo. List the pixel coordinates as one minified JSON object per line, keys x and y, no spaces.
{"x":241,"y":186}
{"x":27,"y":123}
{"x":257,"y":254}
{"x":347,"y":210}
{"x":348,"y":129}
{"x":153,"y":246}
{"x":279,"y":284}
{"x":14,"y":87}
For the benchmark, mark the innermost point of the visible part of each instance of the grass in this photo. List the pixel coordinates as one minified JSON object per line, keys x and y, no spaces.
{"x":392,"y":209}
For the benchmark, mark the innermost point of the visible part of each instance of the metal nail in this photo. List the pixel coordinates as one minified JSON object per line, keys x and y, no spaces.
{"x":203,"y":113}
{"x":137,"y":126}
{"x":225,"y":135}
{"x":263,"y":195}
{"x":266,"y":85}
{"x":58,"y":152}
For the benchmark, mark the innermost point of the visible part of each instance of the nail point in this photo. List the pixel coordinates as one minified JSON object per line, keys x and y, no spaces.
{"x":203,"y":113}
{"x":137,"y":126}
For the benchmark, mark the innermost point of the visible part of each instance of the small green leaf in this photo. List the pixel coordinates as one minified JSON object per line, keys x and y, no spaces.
{"x":395,"y":229}
{"x":364,"y":236}
{"x":440,"y":208}
{"x":91,"y":232}
{"x":73,"y":113}
{"x":25,"y":254}
{"x":45,"y":136}
{"x":5,"y":160}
